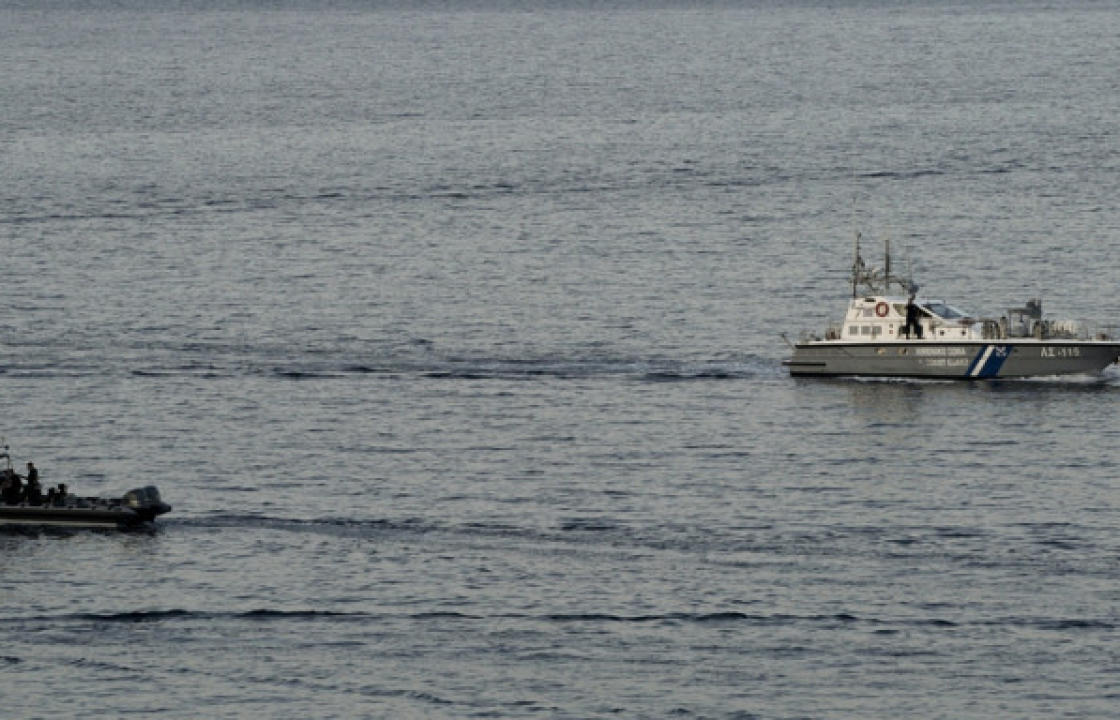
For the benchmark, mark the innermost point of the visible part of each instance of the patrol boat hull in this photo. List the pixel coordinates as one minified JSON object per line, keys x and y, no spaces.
{"x":957,"y":360}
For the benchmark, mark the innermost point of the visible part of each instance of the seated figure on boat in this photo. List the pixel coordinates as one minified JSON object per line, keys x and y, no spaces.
{"x":13,"y":491}
{"x":56,"y":496}
{"x":11,"y":487}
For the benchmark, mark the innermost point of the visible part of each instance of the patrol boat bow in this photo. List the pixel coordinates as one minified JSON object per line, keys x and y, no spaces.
{"x":941,"y":341}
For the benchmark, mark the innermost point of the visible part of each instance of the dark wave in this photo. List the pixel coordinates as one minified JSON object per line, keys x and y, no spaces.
{"x":148,"y":616}
{"x":175,"y":614}
{"x":446,"y":615}
{"x":263,"y":613}
{"x":416,"y":357}
{"x":476,"y":370}
{"x":1050,"y":624}
{"x":588,"y":525}
{"x":322,"y":525}
{"x":713,"y":373}
{"x":712,"y":617}
{"x":598,"y":533}
{"x":875,"y":624}
{"x":480,"y":369}
{"x":128,"y":617}
{"x":901,"y":175}
{"x":566,"y":532}
{"x":1060,"y":624}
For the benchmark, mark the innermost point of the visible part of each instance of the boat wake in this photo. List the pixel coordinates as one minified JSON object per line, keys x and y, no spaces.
{"x":491,"y":369}
{"x":417,"y":358}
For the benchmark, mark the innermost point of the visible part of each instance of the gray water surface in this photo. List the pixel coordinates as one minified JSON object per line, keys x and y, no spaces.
{"x":453,"y":336}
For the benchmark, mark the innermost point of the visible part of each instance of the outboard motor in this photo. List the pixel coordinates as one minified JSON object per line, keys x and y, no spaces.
{"x":146,"y":502}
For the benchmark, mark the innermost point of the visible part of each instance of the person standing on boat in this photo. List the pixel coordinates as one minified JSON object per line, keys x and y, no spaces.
{"x":34,"y":491}
{"x":913,"y":328}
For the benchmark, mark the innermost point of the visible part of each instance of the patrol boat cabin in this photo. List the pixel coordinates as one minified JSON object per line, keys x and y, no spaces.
{"x":878,"y":317}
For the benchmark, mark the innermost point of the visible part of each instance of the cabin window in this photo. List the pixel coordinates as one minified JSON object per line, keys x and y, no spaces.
{"x":876,"y":330}
{"x":865,"y":330}
{"x":868,"y":312}
{"x":942,"y":310}
{"x":853,"y":330}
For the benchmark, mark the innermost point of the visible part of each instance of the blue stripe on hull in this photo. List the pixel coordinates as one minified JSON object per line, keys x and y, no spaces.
{"x":971,"y":372}
{"x":988,"y":361}
{"x":995,"y":361}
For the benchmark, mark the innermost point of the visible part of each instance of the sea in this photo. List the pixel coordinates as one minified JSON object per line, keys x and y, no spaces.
{"x":453,"y":333}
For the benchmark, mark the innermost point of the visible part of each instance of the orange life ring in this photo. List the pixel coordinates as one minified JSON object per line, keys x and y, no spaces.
{"x":881,"y":309}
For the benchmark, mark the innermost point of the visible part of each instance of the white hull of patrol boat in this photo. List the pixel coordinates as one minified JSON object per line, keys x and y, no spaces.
{"x":962,"y":360}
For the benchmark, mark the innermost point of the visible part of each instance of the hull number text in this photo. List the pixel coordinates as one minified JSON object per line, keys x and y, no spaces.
{"x":1061,"y":352}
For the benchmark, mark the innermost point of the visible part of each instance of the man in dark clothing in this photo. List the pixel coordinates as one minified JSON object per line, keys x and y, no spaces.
{"x":14,"y":493}
{"x":913,"y":328}
{"x":34,"y":492}
{"x":5,"y":483}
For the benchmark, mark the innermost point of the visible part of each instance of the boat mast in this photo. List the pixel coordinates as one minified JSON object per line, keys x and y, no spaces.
{"x":856,"y":267}
{"x":887,"y":268}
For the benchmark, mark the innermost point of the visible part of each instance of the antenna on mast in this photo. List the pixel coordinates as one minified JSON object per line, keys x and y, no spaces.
{"x":887,"y":267}
{"x":857,"y":267}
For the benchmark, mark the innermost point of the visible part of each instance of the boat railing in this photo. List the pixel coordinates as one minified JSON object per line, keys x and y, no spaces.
{"x":1042,"y":329}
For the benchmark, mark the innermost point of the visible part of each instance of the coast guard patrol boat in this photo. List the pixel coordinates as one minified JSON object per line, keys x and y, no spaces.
{"x":902,"y":335}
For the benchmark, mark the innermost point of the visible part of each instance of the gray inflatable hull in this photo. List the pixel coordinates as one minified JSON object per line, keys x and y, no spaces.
{"x":138,"y":507}
{"x":965,"y":360}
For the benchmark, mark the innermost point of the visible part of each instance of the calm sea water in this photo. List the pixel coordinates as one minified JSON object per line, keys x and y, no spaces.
{"x":453,"y":336}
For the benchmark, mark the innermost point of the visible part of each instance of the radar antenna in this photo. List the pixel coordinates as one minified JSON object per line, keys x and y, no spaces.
{"x":874,"y":279}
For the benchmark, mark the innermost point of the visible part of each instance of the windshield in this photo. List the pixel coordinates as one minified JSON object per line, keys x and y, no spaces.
{"x":942,"y":310}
